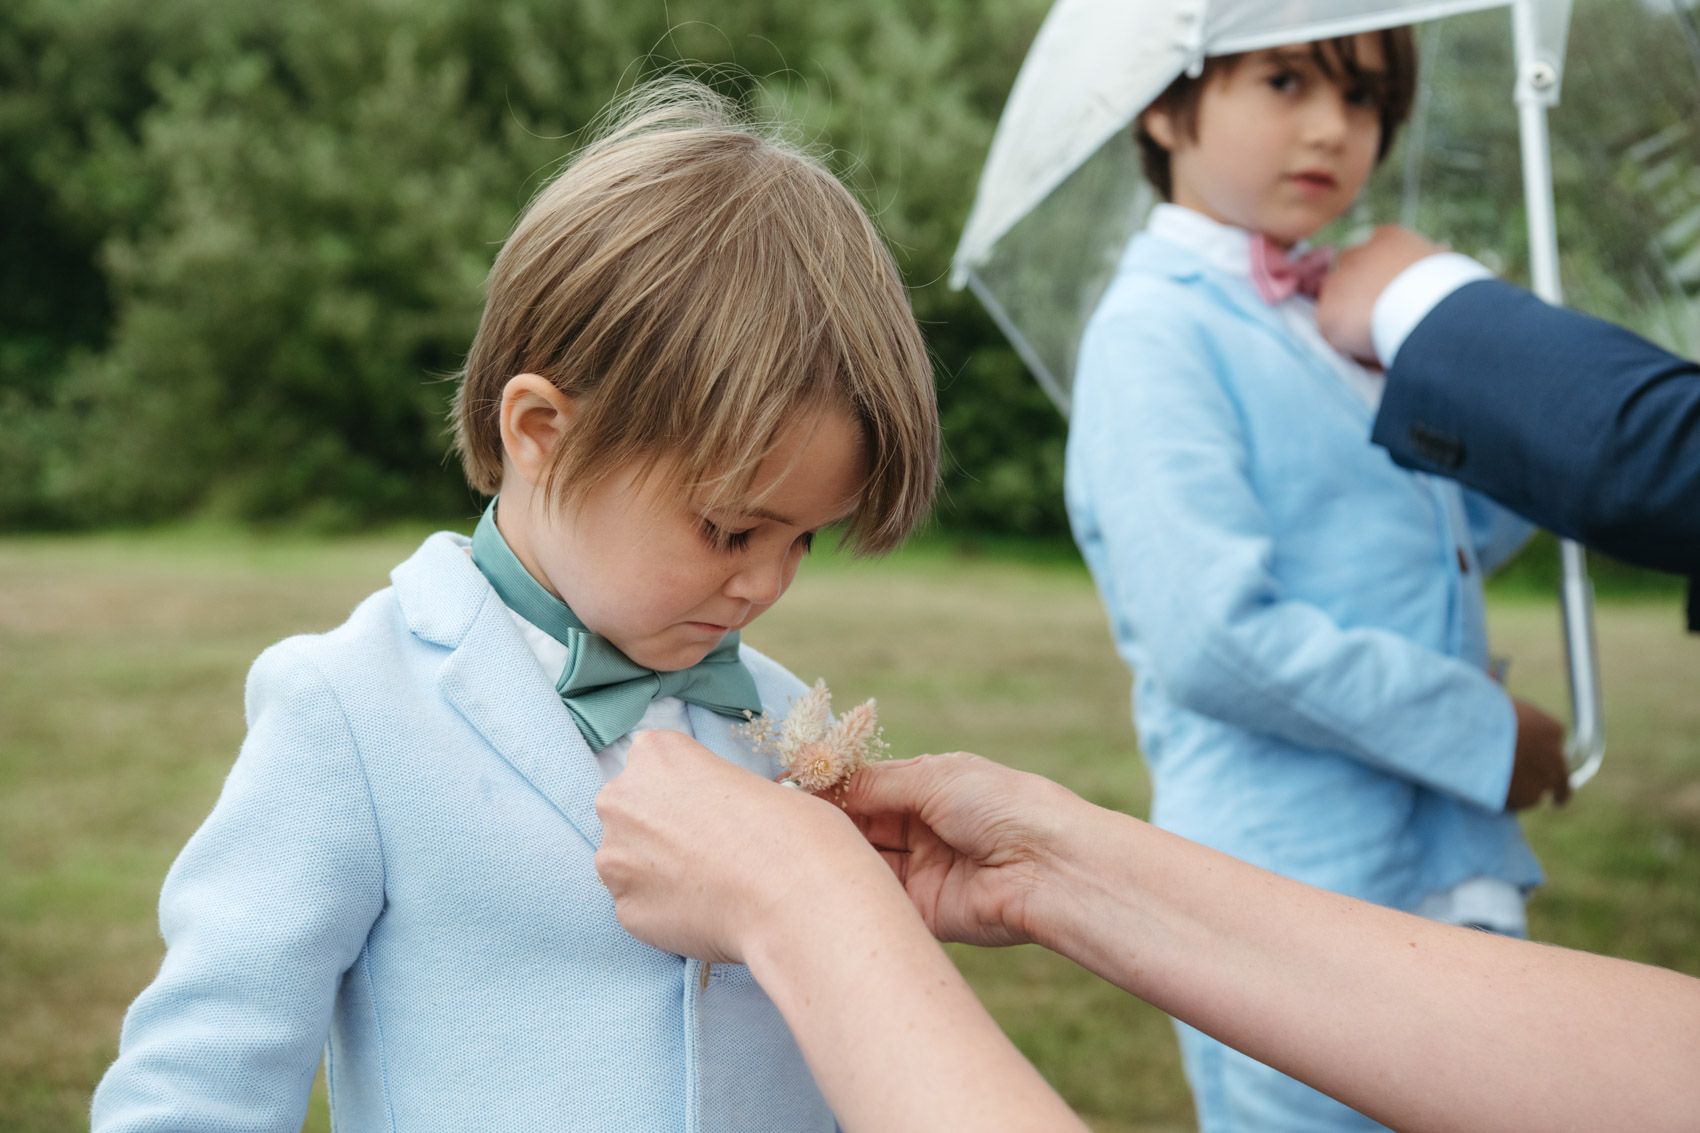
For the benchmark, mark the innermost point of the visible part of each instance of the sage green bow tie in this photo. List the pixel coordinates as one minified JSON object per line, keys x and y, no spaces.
{"x":606,"y":691}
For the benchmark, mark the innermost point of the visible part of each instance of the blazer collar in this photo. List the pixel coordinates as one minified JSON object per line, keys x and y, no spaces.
{"x":1157,"y":256}
{"x":715,"y":732}
{"x":491,"y":678}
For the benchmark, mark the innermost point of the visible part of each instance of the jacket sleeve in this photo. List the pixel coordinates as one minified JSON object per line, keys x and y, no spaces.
{"x":262,"y":913}
{"x":1158,"y":456}
{"x":1575,"y":423}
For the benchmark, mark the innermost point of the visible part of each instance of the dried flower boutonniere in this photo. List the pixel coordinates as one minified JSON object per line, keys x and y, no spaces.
{"x":817,"y":753}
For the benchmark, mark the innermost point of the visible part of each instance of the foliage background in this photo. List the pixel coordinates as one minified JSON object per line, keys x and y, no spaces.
{"x":244,"y":242}
{"x":243,"y":245}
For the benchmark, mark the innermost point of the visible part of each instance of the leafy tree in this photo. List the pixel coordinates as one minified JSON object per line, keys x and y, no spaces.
{"x":243,"y":244}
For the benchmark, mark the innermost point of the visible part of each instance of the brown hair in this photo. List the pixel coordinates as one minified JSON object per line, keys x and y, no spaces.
{"x":695,"y":283}
{"x":1393,"y":90}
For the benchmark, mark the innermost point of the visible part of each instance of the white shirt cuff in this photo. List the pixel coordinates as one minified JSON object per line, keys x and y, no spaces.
{"x":1415,"y":292}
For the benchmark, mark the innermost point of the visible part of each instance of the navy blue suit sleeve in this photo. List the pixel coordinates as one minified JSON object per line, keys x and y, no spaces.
{"x":1575,"y":423}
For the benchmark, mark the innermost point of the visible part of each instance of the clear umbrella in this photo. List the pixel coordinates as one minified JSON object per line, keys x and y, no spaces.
{"x":1062,"y":192}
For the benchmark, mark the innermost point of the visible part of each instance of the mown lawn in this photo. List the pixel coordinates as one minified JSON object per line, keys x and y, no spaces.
{"x":121,"y":667}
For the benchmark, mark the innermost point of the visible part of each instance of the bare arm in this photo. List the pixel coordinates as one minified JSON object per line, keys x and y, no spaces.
{"x":894,"y":1036}
{"x":1421,"y":1025}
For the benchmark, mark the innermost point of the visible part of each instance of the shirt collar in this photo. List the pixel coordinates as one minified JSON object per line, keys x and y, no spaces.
{"x":1223,"y":246}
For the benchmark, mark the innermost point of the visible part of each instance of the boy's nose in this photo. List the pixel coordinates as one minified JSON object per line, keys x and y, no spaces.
{"x":760,"y":583}
{"x":1327,"y":120}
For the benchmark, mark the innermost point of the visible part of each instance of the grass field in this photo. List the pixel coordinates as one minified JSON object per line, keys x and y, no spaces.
{"x":121,"y":667}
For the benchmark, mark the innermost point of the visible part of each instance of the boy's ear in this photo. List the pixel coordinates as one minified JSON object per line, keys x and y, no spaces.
{"x":535,"y":417}
{"x":1159,"y":125}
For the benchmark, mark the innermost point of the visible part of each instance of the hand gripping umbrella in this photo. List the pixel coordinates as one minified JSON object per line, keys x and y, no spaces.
{"x":1061,"y":192}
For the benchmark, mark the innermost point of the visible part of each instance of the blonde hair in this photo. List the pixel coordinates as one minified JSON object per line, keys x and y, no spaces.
{"x":696,"y":284}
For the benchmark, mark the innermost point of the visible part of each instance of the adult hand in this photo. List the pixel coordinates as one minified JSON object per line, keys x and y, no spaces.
{"x":1346,"y":305}
{"x":1538,"y":767}
{"x":970,"y":840}
{"x":699,"y":853}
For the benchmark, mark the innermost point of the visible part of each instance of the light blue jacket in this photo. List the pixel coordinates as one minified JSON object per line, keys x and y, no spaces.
{"x":1304,"y":618}
{"x":401,"y":864}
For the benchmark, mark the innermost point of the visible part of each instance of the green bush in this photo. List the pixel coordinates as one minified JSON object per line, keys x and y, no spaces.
{"x":243,"y":244}
{"x":253,"y":238}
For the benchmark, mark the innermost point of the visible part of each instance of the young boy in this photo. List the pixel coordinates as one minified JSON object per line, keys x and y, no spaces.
{"x":1304,"y":618}
{"x":694,"y":355}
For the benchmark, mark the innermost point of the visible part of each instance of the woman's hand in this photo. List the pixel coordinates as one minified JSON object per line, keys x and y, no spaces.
{"x":971,"y":840}
{"x":700,"y":854}
{"x":708,"y":860}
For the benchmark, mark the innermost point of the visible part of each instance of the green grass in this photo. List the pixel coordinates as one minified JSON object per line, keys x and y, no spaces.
{"x":121,"y":666}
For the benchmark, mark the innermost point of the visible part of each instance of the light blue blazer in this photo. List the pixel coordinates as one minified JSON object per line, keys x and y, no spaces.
{"x":400,"y":865}
{"x":1303,"y":617}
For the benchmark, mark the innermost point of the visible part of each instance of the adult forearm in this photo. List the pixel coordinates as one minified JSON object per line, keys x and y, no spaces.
{"x":1422,"y":1025}
{"x":895,"y":1037}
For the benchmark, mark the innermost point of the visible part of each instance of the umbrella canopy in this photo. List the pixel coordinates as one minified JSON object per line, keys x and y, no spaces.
{"x":1062,"y":190}
{"x":1113,"y":57}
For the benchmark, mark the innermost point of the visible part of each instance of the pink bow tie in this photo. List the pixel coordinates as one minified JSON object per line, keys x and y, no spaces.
{"x":1279,"y":275}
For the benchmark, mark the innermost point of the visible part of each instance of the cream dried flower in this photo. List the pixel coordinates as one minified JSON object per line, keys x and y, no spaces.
{"x":817,"y":753}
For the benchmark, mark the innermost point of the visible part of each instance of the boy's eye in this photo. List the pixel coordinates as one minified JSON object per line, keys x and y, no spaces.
{"x":1283,"y":80}
{"x":807,"y":539}
{"x":722,"y":539}
{"x":1363,"y":97}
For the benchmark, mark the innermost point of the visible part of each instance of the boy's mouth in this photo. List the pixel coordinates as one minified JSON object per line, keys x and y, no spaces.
{"x":1316,"y":180}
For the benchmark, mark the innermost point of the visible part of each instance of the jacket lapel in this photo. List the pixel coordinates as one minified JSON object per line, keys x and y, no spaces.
{"x":494,"y":682}
{"x":1158,"y":256}
{"x":716,"y":733}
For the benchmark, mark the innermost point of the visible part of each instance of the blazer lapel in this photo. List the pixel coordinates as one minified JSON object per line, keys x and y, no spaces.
{"x":494,"y":682}
{"x":1156,"y":255}
{"x":716,"y":733}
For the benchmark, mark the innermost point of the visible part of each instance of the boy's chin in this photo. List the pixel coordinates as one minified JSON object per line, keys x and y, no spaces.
{"x":665,"y":660}
{"x":1291,"y":235}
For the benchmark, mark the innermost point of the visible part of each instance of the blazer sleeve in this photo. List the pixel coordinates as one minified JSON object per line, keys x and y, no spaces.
{"x":1573,"y":422}
{"x":1161,"y":456}
{"x":262,"y":913}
